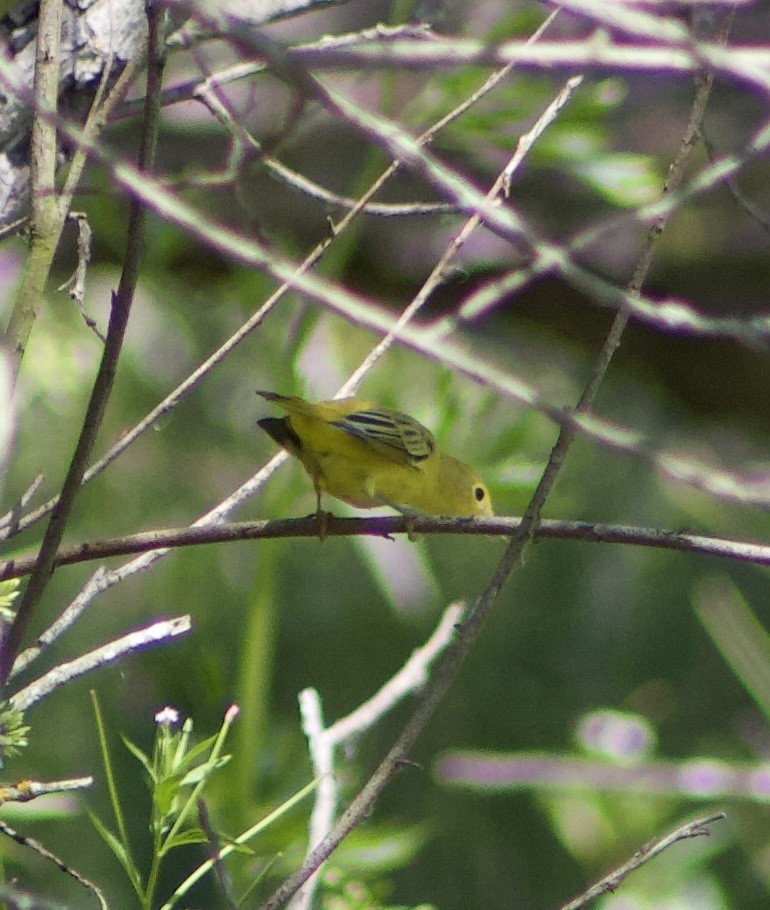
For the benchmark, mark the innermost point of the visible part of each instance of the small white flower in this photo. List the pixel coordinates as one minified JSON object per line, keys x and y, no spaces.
{"x":167,"y":717}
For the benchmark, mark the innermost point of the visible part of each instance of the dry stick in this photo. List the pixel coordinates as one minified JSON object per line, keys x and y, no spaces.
{"x":25,"y":790}
{"x":13,"y":515}
{"x":610,"y":882}
{"x":500,"y":188}
{"x":741,"y":63}
{"x":61,"y":675}
{"x":121,"y":307}
{"x":77,"y":282}
{"x":45,"y":224}
{"x":386,"y":526}
{"x":363,"y":804}
{"x":38,"y":848}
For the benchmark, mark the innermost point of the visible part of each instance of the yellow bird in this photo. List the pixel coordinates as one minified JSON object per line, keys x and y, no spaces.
{"x":370,"y":456}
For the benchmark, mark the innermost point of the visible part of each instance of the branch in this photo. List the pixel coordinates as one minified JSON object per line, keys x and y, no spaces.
{"x":322,"y":740}
{"x":698,"y":778}
{"x":25,"y":790}
{"x":387,"y":526}
{"x":100,"y":657}
{"x":11,"y":895}
{"x":597,"y":55}
{"x":697,"y":828}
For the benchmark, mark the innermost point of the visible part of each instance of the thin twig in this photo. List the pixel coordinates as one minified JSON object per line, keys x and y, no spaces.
{"x":12,"y":516}
{"x":327,"y":793}
{"x":103,"y":656}
{"x":599,"y":54}
{"x":610,"y":882}
{"x":500,"y":189}
{"x":25,"y":790}
{"x":702,"y":779}
{"x":323,"y":741}
{"x":38,"y":848}
{"x":77,"y":283}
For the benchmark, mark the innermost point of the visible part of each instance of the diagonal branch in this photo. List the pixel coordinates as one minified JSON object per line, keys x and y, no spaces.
{"x":608,"y":884}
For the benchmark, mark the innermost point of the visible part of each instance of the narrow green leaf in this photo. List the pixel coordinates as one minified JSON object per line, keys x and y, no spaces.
{"x":121,"y":854}
{"x":138,"y":754}
{"x":184,"y":839}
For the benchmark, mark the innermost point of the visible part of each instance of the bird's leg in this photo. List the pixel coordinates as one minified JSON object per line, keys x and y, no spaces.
{"x":320,"y":515}
{"x":409,"y":518}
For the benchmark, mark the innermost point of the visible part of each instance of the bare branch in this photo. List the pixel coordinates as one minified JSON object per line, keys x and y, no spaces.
{"x":322,"y":740}
{"x":138,"y":640}
{"x":599,"y":55}
{"x":38,"y":848}
{"x":387,"y":526}
{"x":697,"y":828}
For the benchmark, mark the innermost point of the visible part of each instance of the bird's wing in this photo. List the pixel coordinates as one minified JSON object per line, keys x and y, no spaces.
{"x":395,"y":435}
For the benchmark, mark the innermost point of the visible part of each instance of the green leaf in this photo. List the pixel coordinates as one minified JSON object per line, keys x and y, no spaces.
{"x":198,"y":751}
{"x":203,"y":771}
{"x":184,"y":839}
{"x":121,"y":853}
{"x":624,"y":179}
{"x":139,"y":755}
{"x":165,"y":792}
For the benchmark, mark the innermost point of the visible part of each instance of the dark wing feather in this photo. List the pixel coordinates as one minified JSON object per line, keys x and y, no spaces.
{"x":279,"y":429}
{"x":393,"y":434}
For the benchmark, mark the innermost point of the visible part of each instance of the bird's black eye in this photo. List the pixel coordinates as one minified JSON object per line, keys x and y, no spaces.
{"x":479,"y":494}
